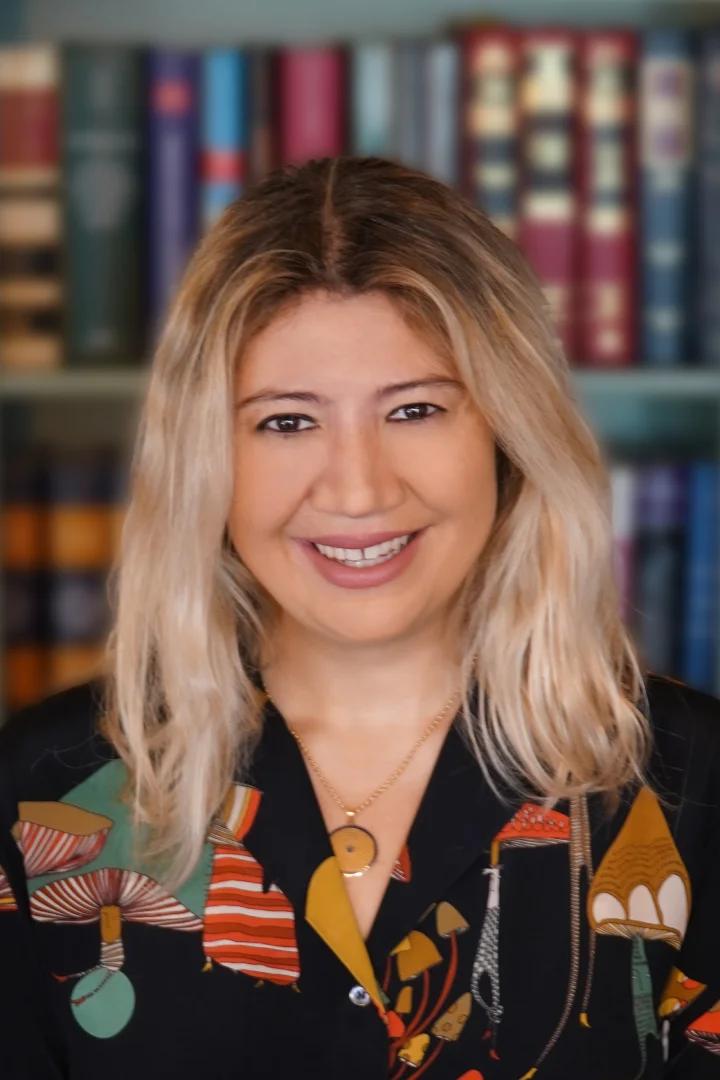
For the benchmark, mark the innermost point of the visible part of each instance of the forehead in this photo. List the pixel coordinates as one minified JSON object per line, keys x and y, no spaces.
{"x":362,"y":338}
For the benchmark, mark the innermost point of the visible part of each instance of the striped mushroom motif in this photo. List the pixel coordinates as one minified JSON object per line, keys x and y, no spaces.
{"x":104,"y":999}
{"x":245,"y":927}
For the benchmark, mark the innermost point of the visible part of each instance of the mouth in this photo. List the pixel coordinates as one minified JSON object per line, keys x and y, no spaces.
{"x":362,"y":563}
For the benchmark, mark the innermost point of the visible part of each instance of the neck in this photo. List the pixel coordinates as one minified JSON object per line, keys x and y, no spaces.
{"x":365,"y":690}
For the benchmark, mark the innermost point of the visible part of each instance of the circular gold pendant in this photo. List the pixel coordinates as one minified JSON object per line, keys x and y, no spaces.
{"x":355,"y":849}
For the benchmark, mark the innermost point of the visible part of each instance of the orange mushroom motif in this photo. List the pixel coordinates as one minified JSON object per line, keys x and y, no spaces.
{"x":530,"y":826}
{"x":244,"y":927}
{"x":642,"y":891}
{"x":678,"y":993}
{"x":104,"y":999}
{"x":402,"y":868}
{"x":705,"y":1031}
{"x":415,"y":955}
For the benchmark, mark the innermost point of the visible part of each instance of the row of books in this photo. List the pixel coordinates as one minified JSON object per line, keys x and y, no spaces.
{"x":666,"y":540}
{"x":62,"y":513}
{"x":63,"y":510}
{"x":596,"y":150}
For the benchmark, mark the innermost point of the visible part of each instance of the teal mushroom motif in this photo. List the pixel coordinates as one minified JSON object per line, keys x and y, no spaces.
{"x":104,"y":998}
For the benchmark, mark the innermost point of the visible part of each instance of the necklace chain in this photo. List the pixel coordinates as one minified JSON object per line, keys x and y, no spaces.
{"x":386,"y":783}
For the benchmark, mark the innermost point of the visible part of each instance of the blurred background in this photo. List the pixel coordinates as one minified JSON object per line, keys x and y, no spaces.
{"x":589,"y":133}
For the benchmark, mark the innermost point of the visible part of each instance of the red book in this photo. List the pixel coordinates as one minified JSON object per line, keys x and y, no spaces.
{"x":607,"y":303}
{"x":311,"y":85}
{"x":31,"y":291}
{"x":29,"y":116}
{"x":547,"y":220}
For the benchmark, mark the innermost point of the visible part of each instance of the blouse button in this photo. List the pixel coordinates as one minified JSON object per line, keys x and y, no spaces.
{"x":359,"y":995}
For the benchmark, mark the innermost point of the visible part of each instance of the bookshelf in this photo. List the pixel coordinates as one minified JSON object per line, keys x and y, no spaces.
{"x":636,"y":412}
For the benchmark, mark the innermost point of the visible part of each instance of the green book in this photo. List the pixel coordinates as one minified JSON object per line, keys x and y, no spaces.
{"x":103,"y":165}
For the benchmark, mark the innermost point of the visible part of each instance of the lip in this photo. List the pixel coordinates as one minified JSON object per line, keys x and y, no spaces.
{"x":356,"y":540}
{"x":348,"y":577}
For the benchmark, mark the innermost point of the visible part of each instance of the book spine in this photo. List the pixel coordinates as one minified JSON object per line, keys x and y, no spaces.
{"x":702,"y":584}
{"x":172,"y":221}
{"x":489,"y":123}
{"x":442,"y":111}
{"x":607,"y":233}
{"x":547,"y":228}
{"x":312,"y":102}
{"x":623,"y":485}
{"x":103,"y":103}
{"x":665,"y":120}
{"x":262,"y":112}
{"x":372,"y":98}
{"x":707,"y":311}
{"x":410,"y":102}
{"x":224,"y":131}
{"x":660,"y":542}
{"x":31,"y":288}
{"x":80,"y":520}
{"x":23,"y":558}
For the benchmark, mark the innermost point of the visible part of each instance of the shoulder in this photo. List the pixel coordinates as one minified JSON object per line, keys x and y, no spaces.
{"x":685,"y":728}
{"x":678,"y":711}
{"x":46,"y":745}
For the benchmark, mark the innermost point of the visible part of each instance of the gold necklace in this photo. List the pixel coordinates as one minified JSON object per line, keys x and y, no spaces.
{"x":355,"y":847}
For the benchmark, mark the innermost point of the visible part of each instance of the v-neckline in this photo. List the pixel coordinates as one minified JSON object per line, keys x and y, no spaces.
{"x":319,"y":825}
{"x":455,"y":821}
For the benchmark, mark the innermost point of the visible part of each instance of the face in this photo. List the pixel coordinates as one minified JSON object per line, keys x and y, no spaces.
{"x":353,"y":457}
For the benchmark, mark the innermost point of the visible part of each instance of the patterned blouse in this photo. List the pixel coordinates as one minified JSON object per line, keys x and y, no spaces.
{"x":512,"y":941}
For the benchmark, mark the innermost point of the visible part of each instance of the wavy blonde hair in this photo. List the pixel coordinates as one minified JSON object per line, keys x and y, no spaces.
{"x":561,"y":711}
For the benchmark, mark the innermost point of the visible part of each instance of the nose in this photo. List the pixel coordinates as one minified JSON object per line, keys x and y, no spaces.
{"x":359,"y":476}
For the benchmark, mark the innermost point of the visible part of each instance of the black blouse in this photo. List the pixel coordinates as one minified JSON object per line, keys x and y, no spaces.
{"x":512,"y":941}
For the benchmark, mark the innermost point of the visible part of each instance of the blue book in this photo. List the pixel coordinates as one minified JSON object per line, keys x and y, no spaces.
{"x":659,"y":553}
{"x":372,"y":98}
{"x":173,"y":225}
{"x":700,"y":615}
{"x":666,"y":195}
{"x":442,"y":92}
{"x":224,"y":130}
{"x":707,"y":313}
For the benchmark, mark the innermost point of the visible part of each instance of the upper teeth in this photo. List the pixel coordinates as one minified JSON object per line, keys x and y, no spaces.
{"x":365,"y":553}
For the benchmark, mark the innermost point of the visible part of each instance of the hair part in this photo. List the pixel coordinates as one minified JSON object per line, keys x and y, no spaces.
{"x":564,"y":704}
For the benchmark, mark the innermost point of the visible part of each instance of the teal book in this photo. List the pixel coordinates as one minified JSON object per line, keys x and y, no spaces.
{"x":103,"y":160}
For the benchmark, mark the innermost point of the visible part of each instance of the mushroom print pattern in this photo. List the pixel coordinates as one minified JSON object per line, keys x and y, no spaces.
{"x":533,"y":826}
{"x":7,"y":898}
{"x":415,"y":955}
{"x":103,"y":1000}
{"x":402,"y":869}
{"x":678,"y":993}
{"x":58,"y":837}
{"x":245,"y":927}
{"x":89,"y":827}
{"x":705,"y":1031}
{"x":642,"y":891}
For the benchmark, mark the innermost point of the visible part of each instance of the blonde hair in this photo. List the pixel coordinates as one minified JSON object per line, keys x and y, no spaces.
{"x":542,"y":634}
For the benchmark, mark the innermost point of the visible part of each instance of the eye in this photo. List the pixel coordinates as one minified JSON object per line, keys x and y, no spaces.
{"x":265,"y":424}
{"x":420,"y":405}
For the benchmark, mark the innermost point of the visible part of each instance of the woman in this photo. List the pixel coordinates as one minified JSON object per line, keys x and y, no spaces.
{"x":373,"y":783}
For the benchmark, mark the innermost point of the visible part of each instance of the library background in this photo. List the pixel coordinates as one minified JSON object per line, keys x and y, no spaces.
{"x":589,"y":134}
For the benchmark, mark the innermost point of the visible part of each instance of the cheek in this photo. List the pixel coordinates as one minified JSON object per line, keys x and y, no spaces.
{"x":265,"y":494}
{"x":465,"y":481}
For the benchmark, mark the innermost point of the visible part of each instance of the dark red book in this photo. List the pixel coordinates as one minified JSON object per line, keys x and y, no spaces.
{"x":547,"y":219}
{"x":312,"y":106}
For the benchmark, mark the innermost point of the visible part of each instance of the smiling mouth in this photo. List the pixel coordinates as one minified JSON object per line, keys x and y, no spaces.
{"x":381,"y":553}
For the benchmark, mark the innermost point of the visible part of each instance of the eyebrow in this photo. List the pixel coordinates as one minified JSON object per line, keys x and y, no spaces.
{"x":318,"y":399}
